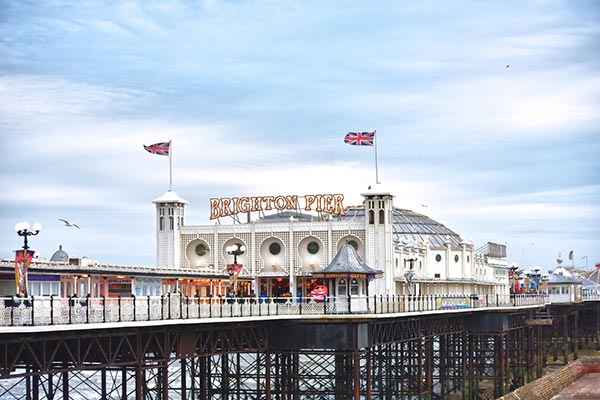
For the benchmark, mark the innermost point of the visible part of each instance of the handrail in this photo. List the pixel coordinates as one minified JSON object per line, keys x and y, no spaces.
{"x":53,"y":310}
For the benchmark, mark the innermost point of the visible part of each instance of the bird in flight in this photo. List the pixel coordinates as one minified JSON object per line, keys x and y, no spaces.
{"x":67,"y":223}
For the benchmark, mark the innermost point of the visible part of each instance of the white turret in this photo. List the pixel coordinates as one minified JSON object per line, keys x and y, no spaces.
{"x":169,"y":221}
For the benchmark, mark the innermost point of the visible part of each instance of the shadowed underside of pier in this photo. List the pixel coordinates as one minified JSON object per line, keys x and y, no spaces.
{"x":470,"y":355}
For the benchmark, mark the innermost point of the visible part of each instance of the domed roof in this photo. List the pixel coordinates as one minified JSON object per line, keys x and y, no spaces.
{"x":60,"y":255}
{"x":412,"y":227}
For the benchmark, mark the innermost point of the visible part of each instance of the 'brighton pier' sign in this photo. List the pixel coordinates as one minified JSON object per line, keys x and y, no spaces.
{"x":327,"y":203}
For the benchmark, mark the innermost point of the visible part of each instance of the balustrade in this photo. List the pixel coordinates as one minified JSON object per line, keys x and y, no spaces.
{"x":53,"y":310}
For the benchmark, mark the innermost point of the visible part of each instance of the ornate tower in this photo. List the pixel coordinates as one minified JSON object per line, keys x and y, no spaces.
{"x":379,"y":234}
{"x":169,"y":221}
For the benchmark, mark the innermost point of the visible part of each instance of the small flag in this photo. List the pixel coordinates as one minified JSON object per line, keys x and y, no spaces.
{"x":360,"y":138}
{"x":161,"y":149}
{"x":571,"y":255}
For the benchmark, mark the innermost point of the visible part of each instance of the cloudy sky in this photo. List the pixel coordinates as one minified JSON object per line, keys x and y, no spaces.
{"x":487,"y":115}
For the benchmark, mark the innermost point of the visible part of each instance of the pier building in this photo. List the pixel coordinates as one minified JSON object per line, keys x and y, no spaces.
{"x":283,"y":250}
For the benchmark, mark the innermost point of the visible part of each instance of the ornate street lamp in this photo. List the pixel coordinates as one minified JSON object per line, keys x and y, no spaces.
{"x":234,"y":269}
{"x":23,"y":257}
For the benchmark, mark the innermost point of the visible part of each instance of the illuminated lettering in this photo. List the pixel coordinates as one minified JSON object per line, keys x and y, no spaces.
{"x":327,"y":206}
{"x":225,"y":207}
{"x":215,"y":211}
{"x":309,"y":200}
{"x":292,"y":202}
{"x":338,"y":207}
{"x":256,"y":203}
{"x":244,"y":204}
{"x":268,"y":200}
{"x":328,"y":203}
{"x":280,"y":203}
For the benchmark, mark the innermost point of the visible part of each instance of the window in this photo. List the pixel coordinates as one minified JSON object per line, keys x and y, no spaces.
{"x":381,"y":217}
{"x":275,"y":248}
{"x":171,"y":223}
{"x":161,"y":223}
{"x":456,"y":258}
{"x":342,"y":288}
{"x":371,"y":217}
{"x":353,"y":244}
{"x":313,"y":247}
{"x":201,"y":249}
{"x":438,"y":258}
{"x":354,"y":287}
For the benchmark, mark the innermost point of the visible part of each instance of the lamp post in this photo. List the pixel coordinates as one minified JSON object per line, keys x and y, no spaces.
{"x":234,"y":269}
{"x":23,"y":257}
{"x":22,"y":229}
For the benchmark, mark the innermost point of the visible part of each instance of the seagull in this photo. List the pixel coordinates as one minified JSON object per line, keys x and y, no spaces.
{"x":67,"y":223}
{"x":507,"y":65}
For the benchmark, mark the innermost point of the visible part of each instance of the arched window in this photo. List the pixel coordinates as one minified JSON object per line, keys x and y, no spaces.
{"x":161,"y":223}
{"x":371,"y":217}
{"x":381,"y":217}
{"x":171,"y":223}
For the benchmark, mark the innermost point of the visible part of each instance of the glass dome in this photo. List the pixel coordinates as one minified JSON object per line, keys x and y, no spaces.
{"x":411,"y":227}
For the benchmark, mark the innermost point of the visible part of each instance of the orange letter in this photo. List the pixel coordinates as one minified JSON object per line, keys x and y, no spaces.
{"x":215,"y":212}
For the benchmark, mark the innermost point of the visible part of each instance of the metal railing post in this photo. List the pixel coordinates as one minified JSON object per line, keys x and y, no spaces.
{"x":133,"y":298}
{"x":70,"y":306}
{"x":12,"y":312}
{"x":52,"y":309}
{"x":32,"y":312}
{"x":119,"y":306}
{"x":169,"y":305}
{"x":180,"y":306}
{"x":103,"y":308}
{"x":148,"y":302}
{"x":87,"y":308}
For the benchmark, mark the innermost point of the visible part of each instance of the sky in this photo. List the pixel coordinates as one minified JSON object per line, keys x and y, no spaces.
{"x":487,"y":116}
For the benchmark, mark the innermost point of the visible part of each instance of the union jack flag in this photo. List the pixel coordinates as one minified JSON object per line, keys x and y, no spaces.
{"x":161,"y":149}
{"x":360,"y":138}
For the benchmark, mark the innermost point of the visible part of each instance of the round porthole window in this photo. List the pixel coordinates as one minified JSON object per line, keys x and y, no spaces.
{"x":313,"y":247}
{"x":438,"y":258}
{"x":456,"y":258}
{"x":201,"y":249}
{"x":274,"y":248}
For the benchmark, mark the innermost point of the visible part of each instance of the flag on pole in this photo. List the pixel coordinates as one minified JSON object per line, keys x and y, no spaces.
{"x":162,"y":149}
{"x":360,"y":138}
{"x":571,"y":255}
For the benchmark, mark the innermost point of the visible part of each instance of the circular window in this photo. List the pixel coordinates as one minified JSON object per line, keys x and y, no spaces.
{"x":353,"y":244}
{"x":456,"y":258}
{"x":274,"y":248}
{"x":438,"y":258}
{"x":201,"y":249}
{"x":313,"y":247}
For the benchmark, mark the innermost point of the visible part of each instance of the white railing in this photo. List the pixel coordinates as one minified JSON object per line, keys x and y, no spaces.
{"x":43,"y":310}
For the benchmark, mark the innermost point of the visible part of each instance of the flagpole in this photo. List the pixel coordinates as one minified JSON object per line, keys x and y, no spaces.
{"x":376,"y":166}
{"x":170,"y":166}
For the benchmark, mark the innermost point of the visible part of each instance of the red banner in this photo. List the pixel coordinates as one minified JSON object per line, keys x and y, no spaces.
{"x":22,"y":261}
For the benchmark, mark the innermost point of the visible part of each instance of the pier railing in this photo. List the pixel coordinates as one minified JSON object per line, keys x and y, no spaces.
{"x":52,"y":310}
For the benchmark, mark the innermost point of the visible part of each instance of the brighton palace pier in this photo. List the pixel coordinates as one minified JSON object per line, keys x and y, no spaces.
{"x":406,"y":309}
{"x":285,"y":248}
